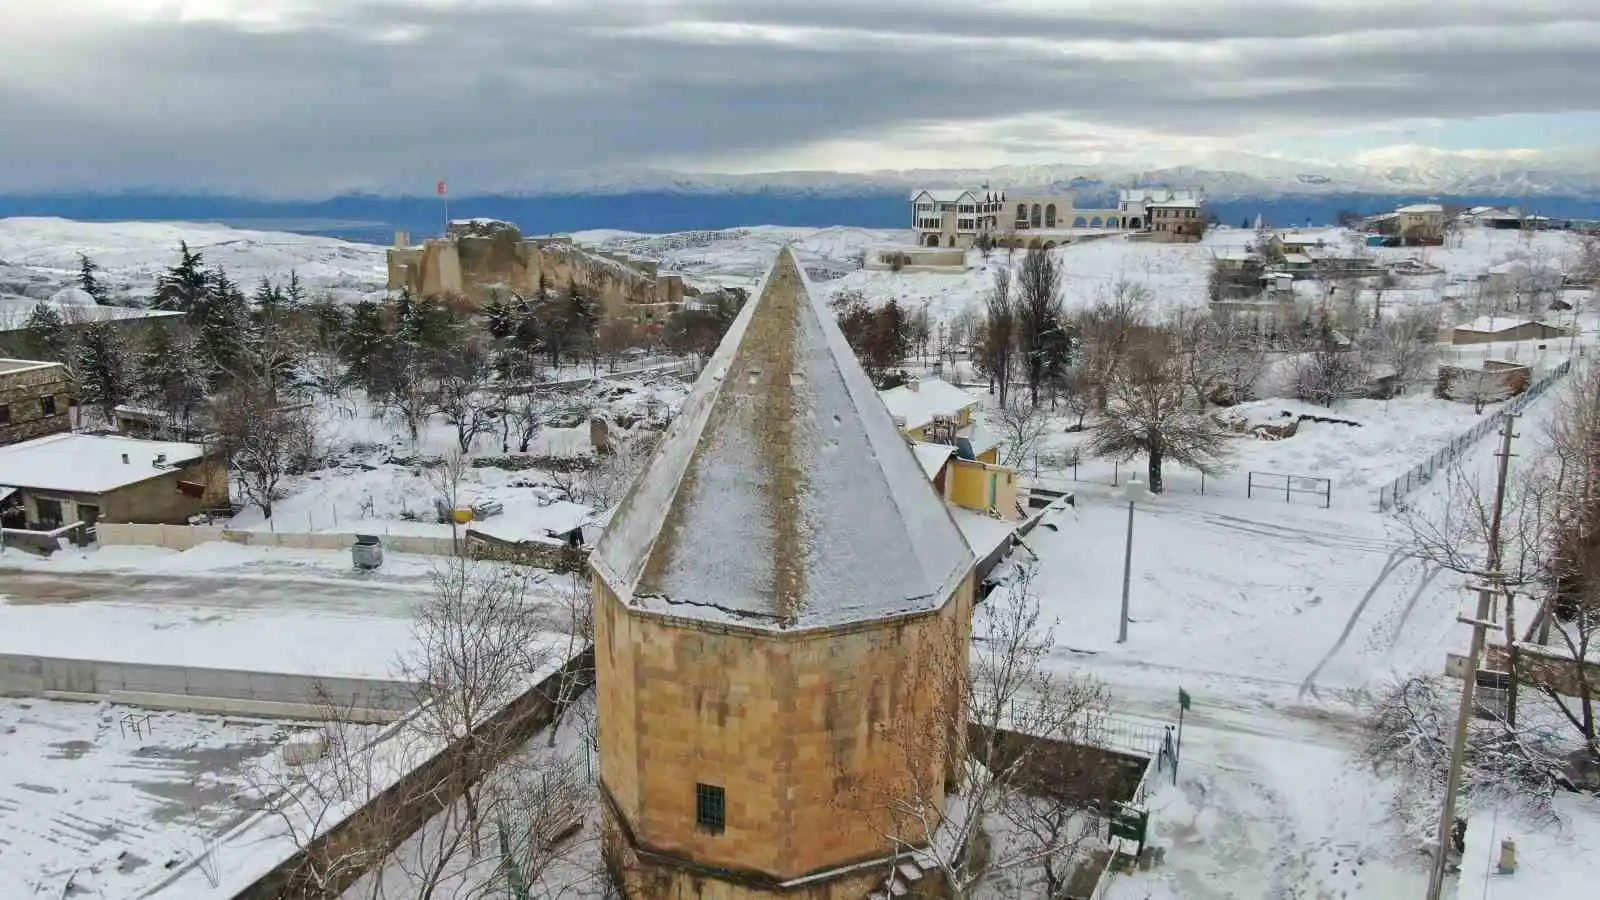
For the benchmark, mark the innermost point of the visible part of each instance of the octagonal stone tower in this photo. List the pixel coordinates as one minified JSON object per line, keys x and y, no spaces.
{"x":769,"y":601}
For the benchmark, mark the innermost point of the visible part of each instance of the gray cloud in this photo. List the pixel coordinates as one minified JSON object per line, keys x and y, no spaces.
{"x":386,"y":94}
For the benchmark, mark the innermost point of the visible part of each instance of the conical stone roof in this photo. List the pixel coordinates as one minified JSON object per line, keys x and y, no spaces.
{"x":783,"y":496}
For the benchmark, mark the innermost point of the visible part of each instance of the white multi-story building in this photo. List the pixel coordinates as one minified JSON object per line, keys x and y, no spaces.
{"x":957,"y":218}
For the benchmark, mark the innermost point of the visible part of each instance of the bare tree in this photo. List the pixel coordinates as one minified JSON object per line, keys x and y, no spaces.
{"x":264,"y":432}
{"x":479,"y":642}
{"x":1000,"y":333}
{"x":1405,"y":344}
{"x":1014,"y":711}
{"x":1021,"y":428}
{"x":1147,"y":414}
{"x":1038,"y":313}
{"x":576,"y":614}
{"x":460,"y":381}
{"x":1574,"y":552}
{"x":1409,"y":733}
{"x":445,"y":477}
{"x":1330,"y":371}
{"x":524,"y":415}
{"x":1106,"y":330}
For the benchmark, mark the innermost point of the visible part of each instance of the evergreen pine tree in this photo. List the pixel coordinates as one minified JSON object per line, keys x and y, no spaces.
{"x":186,"y":287}
{"x":268,"y":300}
{"x":170,"y":377}
{"x":294,"y":297}
{"x":364,"y":342}
{"x":46,"y":333}
{"x":222,"y":327}
{"x":101,"y":367}
{"x":89,"y":282}
{"x":498,"y":318}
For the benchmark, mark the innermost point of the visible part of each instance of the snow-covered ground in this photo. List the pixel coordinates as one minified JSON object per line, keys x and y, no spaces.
{"x":219,"y":605}
{"x":1280,"y":620}
{"x":39,"y":256}
{"x":87,"y":800}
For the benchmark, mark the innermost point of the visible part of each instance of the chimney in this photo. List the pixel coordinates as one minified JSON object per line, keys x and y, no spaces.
{"x":124,"y":459}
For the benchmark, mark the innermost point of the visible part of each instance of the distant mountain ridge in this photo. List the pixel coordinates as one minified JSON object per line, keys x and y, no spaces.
{"x":1240,"y":187}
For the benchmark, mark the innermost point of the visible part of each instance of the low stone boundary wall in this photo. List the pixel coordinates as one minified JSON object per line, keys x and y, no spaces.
{"x":397,"y":812}
{"x":185,"y":537}
{"x":227,"y":691}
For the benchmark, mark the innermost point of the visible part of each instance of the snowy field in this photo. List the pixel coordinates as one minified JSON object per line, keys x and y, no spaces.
{"x":40,"y":256}
{"x":1281,"y":621}
{"x":87,"y":801}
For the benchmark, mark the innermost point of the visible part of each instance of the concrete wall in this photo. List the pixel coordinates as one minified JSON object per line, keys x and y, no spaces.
{"x":184,"y":537}
{"x":204,"y":690}
{"x":22,"y":393}
{"x":812,"y":736}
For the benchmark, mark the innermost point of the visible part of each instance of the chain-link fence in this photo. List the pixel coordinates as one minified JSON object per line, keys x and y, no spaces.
{"x":1390,"y":495}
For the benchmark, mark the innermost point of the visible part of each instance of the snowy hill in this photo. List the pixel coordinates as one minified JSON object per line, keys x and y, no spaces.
{"x":39,"y":256}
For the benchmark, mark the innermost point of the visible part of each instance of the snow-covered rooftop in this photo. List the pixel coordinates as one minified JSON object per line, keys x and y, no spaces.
{"x":13,"y":366}
{"x":1298,"y":259}
{"x":783,"y":496}
{"x":1421,"y":208}
{"x":1179,"y":203}
{"x":531,"y":521}
{"x":14,"y":312}
{"x":931,"y":457}
{"x":919,"y":401}
{"x":1495,"y":324}
{"x":89,"y":464}
{"x":946,"y":195}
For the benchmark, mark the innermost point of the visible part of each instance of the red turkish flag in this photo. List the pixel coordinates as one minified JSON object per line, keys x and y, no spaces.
{"x":440,"y":189}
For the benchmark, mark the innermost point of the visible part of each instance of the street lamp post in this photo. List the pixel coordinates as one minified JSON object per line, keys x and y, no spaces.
{"x":1134,"y":490}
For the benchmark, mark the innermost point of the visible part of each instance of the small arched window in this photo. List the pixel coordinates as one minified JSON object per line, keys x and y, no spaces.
{"x":1050,"y":216}
{"x":1034,"y":219}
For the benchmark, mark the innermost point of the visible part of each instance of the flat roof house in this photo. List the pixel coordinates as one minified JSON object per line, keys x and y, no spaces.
{"x":34,"y":399}
{"x":1496,"y":329}
{"x":60,"y":479}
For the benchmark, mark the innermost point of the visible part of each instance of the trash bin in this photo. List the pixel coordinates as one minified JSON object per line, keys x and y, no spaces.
{"x":367,"y":551}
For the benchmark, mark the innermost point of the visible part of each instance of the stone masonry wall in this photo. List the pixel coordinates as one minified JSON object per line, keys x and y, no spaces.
{"x":810,"y":735}
{"x":22,"y":393}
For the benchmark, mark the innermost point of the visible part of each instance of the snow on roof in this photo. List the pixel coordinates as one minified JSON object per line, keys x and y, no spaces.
{"x":1296,"y":259}
{"x":1180,"y":203}
{"x":946,"y":195}
{"x":981,"y":438}
{"x":1496,"y":324}
{"x":783,"y":495}
{"x":530,"y":521}
{"x":917,"y":404}
{"x":931,"y":457}
{"x":1309,"y":238}
{"x":73,"y":296}
{"x":1421,"y":208}
{"x":14,"y":312}
{"x":89,"y":464}
{"x":12,"y":366}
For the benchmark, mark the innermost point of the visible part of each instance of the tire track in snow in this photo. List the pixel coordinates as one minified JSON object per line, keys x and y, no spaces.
{"x":1310,"y":684}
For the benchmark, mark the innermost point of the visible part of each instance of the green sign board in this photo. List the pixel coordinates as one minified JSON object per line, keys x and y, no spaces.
{"x":1183,"y":699}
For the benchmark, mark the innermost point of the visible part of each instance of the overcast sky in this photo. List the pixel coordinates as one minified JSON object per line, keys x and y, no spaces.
{"x":311,"y":97}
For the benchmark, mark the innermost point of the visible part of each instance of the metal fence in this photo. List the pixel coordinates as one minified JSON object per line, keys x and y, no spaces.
{"x":1392,"y":493}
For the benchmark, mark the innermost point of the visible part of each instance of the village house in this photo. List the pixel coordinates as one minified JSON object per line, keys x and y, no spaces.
{"x":767,"y":601}
{"x":1170,"y":214}
{"x":53,"y":481}
{"x":1420,"y":223}
{"x":1498,"y":329}
{"x":35,"y":398}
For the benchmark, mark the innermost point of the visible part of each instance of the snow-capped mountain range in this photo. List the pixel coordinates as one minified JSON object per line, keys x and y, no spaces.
{"x":1404,"y":169}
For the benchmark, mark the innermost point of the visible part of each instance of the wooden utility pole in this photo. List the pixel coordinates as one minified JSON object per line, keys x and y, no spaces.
{"x":1481,"y":624}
